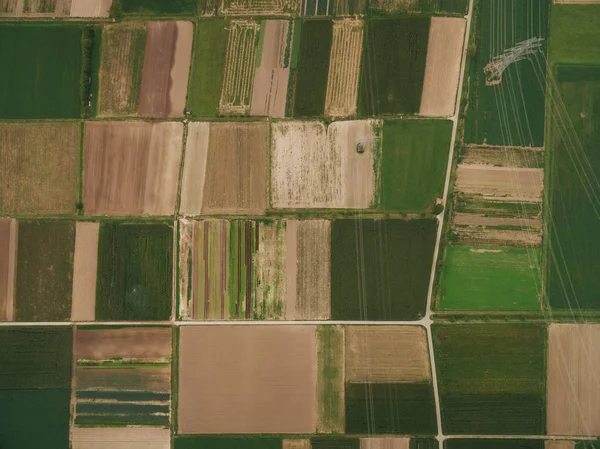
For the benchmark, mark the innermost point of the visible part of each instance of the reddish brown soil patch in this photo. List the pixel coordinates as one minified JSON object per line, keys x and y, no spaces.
{"x":142,"y":342}
{"x":84,"y":272}
{"x":8,"y":243}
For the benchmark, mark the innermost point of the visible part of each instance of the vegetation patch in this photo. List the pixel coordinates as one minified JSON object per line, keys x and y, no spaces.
{"x":157,"y":7}
{"x":222,"y":442}
{"x":330,"y":380}
{"x":575,"y":35}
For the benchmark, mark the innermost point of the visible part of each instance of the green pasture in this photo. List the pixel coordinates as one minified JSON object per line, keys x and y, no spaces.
{"x":491,"y":278}
{"x":44,"y":270}
{"x":155,"y":7}
{"x":414,"y":161}
{"x":574,"y":34}
{"x":393,"y":66}
{"x":511,"y":112}
{"x":380,"y":269}
{"x":489,"y":443}
{"x":41,"y":71}
{"x":35,"y":357}
{"x":207,"y":67}
{"x":135,"y":270}
{"x":225,"y":442}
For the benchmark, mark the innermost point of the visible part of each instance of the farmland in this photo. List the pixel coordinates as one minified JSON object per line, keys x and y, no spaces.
{"x":258,"y":8}
{"x":158,"y":7}
{"x":220,"y":442}
{"x":42,"y":70}
{"x":8,"y":241}
{"x":330,"y":379}
{"x":135,"y":270}
{"x":85,"y":271}
{"x":575,"y":34}
{"x":39,"y":166}
{"x":457,"y":443}
{"x":392,"y":284}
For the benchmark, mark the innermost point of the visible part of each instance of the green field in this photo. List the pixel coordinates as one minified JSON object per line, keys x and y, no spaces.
{"x":492,"y":378}
{"x":404,"y":409}
{"x":208,"y":65}
{"x":393,"y":66}
{"x":226,"y":442}
{"x":473,"y":443}
{"x":423,"y":443}
{"x":330,"y":378}
{"x":491,"y":278}
{"x":575,"y":34}
{"x":158,"y":7}
{"x":135,"y":270}
{"x":38,"y":357}
{"x":34,"y":419}
{"x":44,"y":270}
{"x":380,"y":269}
{"x":313,"y":68}
{"x":41,"y":71}
{"x":414,"y":161}
{"x":452,"y":6}
{"x":512,"y":112}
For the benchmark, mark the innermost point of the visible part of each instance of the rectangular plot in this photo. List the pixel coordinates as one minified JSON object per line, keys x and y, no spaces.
{"x":146,"y":342}
{"x":120,"y":438}
{"x":495,"y":443}
{"x":8,"y":242}
{"x":330,"y":380}
{"x":84,"y":271}
{"x":385,"y":443}
{"x":259,"y":7}
{"x":90,"y":8}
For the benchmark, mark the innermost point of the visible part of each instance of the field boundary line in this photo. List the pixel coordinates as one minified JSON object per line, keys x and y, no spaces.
{"x":178,"y":323}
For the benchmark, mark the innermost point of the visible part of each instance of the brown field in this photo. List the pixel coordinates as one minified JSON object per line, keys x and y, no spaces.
{"x":84,"y":271}
{"x":481,"y":235}
{"x":225,"y":173}
{"x":240,"y":64}
{"x":120,"y":69}
{"x":384,"y":443}
{"x":573,"y":388}
{"x":8,"y":257}
{"x":386,"y":354}
{"x":247,"y":379}
{"x":120,"y":438}
{"x":296,"y":444}
{"x":166,"y":67}
{"x":131,"y":168}
{"x":442,"y":69}
{"x":482,"y":220}
{"x":141,"y":342}
{"x":43,"y":8}
{"x":271,"y":77}
{"x":39,"y":167}
{"x":259,"y":7}
{"x":524,"y":157}
{"x":559,"y":444}
{"x":90,"y":8}
{"x":344,"y":68}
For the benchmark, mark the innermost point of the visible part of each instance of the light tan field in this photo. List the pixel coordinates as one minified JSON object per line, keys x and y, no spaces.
{"x":247,"y":379}
{"x":344,"y":68}
{"x":131,"y":168}
{"x":120,"y":69}
{"x":525,"y":157}
{"x":384,"y":443}
{"x":120,"y":438}
{"x":442,"y":68}
{"x":271,"y":77}
{"x":501,"y":183}
{"x":166,"y":67}
{"x":39,"y":167}
{"x":296,"y":444}
{"x":271,"y":270}
{"x":8,"y":257}
{"x":291,"y":269}
{"x":499,"y":236}
{"x":573,"y":388}
{"x":386,"y":354}
{"x":84,"y":271}
{"x":225,"y":169}
{"x":90,"y":8}
{"x":482,"y":220}
{"x":140,"y":342}
{"x":559,"y":444}
{"x":259,"y":7}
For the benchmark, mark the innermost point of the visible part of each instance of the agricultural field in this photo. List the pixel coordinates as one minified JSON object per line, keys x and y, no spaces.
{"x":458,"y":443}
{"x":492,"y":378}
{"x":50,"y":9}
{"x":391,"y":284}
{"x":258,"y":7}
{"x":331,"y":379}
{"x":157,"y":7}
{"x":131,"y":168}
{"x":135,"y":272}
{"x":39,"y":167}
{"x":507,"y":109}
{"x":85,"y":271}
{"x":575,"y":34}
{"x":42,"y":71}
{"x":225,"y":169}
{"x":8,"y":257}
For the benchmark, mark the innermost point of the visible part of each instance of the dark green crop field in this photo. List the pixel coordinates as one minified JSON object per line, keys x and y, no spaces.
{"x":473,"y":443}
{"x":41,"y":71}
{"x":380,"y":269}
{"x":414,"y":161}
{"x":491,"y":378}
{"x":511,"y":112}
{"x":393,"y":66}
{"x":405,"y":409}
{"x":575,"y":36}
{"x":226,"y":442}
{"x":335,"y":443}
{"x":312,"y":68}
{"x":135,"y":270}
{"x":158,"y":7}
{"x":34,"y":419}
{"x":44,"y":270}
{"x":37,"y":357}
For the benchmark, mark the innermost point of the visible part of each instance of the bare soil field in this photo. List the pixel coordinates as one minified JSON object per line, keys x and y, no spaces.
{"x":559,"y":444}
{"x":90,"y":8}
{"x":503,"y":156}
{"x":442,"y":68}
{"x":120,"y":69}
{"x":269,"y":92}
{"x":482,"y":220}
{"x":120,"y":438}
{"x":194,"y":169}
{"x":166,"y":67}
{"x":242,"y":46}
{"x":344,"y":68}
{"x":499,"y":236}
{"x":291,"y":269}
{"x":39,"y":163}
{"x":247,"y":379}
{"x":8,"y":257}
{"x":384,"y":443}
{"x":84,"y":272}
{"x":259,"y":7}
{"x":140,"y":342}
{"x":573,"y":388}
{"x":386,"y":354}
{"x":296,"y":444}
{"x":131,"y":168}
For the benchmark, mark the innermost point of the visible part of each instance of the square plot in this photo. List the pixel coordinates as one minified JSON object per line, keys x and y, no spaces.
{"x":247,"y":379}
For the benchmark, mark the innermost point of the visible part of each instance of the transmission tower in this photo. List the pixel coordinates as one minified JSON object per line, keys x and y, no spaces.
{"x":494,"y":69}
